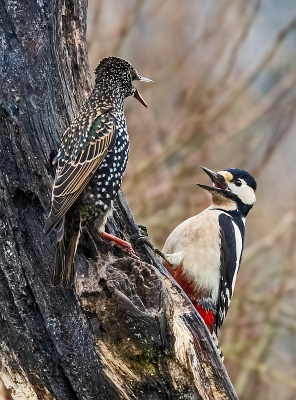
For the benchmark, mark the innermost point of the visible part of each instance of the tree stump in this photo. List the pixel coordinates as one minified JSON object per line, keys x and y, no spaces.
{"x":127,"y":330}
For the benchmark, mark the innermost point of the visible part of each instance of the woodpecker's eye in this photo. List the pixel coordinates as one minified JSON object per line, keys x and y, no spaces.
{"x":238,"y":182}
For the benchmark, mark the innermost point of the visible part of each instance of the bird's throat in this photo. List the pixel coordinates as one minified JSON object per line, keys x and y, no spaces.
{"x":219,"y":201}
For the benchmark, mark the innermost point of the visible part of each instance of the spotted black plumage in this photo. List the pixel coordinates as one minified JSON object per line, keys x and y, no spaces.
{"x":91,"y":161}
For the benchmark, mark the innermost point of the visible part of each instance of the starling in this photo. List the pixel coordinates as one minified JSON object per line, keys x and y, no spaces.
{"x":90,"y":164}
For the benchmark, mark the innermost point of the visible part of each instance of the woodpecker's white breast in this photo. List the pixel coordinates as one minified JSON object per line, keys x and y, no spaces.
{"x":198,"y":238}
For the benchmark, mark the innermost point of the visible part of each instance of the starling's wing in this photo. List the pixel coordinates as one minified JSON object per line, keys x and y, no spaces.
{"x":77,"y":162}
{"x":231,"y":251}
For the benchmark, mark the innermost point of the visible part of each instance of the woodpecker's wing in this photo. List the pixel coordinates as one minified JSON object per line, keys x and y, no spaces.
{"x":231,"y":251}
{"x":83,"y":148}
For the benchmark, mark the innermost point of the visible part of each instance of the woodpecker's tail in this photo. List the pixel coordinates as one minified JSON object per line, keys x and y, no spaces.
{"x":216,"y":341}
{"x":63,"y":273}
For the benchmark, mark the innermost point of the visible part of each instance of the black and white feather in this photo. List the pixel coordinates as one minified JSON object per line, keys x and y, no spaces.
{"x":231,"y":248}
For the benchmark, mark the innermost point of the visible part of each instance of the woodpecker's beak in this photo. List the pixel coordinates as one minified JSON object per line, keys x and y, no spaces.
{"x":218,"y":180}
{"x":139,"y":97}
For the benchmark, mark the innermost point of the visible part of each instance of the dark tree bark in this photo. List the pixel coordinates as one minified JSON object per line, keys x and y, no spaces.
{"x":127,"y":331}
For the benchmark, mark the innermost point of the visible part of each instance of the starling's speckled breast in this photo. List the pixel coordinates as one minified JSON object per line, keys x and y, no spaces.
{"x":104,"y":185}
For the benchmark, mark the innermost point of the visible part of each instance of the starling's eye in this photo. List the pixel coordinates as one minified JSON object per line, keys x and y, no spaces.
{"x":238,"y":183}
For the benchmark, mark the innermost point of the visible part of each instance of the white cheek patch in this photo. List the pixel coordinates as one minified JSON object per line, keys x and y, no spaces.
{"x":244,"y":192}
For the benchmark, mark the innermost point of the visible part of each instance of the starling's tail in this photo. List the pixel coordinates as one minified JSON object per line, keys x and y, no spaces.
{"x":63,"y":273}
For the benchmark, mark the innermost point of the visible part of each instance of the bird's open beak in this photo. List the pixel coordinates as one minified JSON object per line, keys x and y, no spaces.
{"x":218,"y":180}
{"x":139,"y":97}
{"x":137,"y":94}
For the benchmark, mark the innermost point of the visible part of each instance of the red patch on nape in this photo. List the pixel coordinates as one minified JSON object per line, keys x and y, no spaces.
{"x":190,"y":289}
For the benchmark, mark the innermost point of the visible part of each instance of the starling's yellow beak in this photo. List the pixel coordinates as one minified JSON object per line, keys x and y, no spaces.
{"x":139,"y":97}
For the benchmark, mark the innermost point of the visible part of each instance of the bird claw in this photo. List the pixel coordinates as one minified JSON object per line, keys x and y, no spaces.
{"x":122,"y":244}
{"x":128,"y":249}
{"x":144,"y":240}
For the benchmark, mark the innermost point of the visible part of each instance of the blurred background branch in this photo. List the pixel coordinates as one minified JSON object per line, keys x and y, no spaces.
{"x":224,"y":96}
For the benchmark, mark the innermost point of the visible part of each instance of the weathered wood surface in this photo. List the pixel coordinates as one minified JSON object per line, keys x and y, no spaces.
{"x":127,"y":331}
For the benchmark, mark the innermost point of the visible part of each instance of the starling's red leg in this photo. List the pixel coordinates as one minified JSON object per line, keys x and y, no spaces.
{"x":126,"y":246}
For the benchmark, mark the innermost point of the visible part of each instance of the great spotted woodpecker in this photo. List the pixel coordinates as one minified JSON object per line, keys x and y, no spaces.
{"x":205,"y":251}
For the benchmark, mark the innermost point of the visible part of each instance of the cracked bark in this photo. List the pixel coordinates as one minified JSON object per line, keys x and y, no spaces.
{"x":127,"y":331}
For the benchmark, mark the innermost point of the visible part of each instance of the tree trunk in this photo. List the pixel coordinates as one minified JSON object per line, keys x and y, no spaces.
{"x":127,"y":331}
